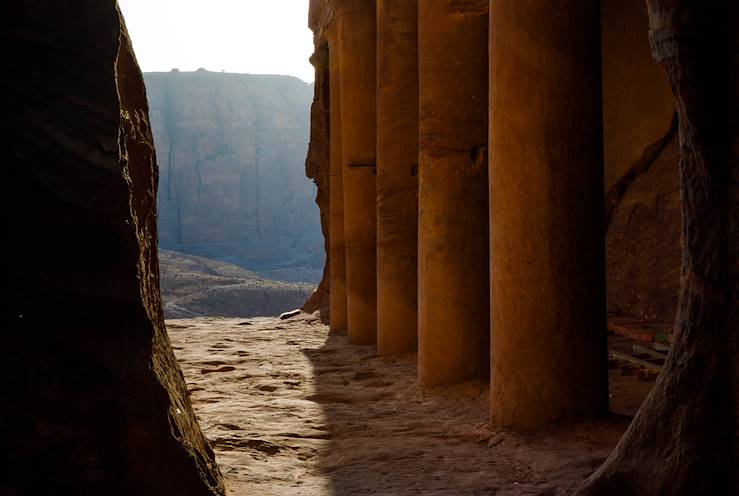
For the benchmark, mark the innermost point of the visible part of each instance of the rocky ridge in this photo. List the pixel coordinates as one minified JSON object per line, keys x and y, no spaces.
{"x":197,"y":287}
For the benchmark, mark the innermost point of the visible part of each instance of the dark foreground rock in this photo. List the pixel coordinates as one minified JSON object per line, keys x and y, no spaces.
{"x":92,"y":399}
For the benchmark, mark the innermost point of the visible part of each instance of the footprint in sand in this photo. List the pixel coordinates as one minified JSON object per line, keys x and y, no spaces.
{"x":227,"y":368}
{"x":267,"y":388}
{"x":231,"y":427}
{"x":263,"y":446}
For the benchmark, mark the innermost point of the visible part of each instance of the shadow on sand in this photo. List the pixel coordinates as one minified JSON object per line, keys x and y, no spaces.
{"x":387,"y":436}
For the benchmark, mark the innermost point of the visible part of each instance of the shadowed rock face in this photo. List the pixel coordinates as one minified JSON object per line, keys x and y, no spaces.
{"x":232,"y":186}
{"x":684,"y":440}
{"x":641,"y":169}
{"x":317,"y":168}
{"x":93,"y":400}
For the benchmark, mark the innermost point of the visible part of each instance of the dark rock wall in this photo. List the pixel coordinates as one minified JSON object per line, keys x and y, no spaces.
{"x":93,"y":400}
{"x":643,"y":242}
{"x":683,"y":441}
{"x":231,"y":150}
{"x":641,"y":169}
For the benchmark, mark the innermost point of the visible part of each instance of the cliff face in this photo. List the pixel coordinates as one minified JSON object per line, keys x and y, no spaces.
{"x":232,"y":186}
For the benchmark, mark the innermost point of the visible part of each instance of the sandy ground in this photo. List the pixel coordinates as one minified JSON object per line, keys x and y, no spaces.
{"x":293,"y":410}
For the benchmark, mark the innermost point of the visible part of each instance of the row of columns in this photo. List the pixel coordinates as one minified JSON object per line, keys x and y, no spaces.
{"x":466,"y":195}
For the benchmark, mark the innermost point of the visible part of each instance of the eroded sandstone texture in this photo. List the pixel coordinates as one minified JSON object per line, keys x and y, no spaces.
{"x":93,"y":400}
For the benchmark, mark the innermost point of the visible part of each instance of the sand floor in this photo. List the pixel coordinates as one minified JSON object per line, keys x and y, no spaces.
{"x":293,"y":410}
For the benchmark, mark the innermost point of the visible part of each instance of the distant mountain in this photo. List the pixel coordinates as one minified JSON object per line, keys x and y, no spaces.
{"x":196,"y":287}
{"x":231,"y":150}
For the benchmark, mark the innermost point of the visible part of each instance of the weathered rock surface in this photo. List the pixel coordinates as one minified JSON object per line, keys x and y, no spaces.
{"x":683,"y":441}
{"x":317,"y":168}
{"x":643,"y":241}
{"x":232,"y":186}
{"x":195,"y":286}
{"x":641,"y":169}
{"x":93,"y":400}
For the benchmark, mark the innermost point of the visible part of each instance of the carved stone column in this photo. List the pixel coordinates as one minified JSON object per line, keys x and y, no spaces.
{"x":546,"y":213}
{"x":357,"y":49}
{"x":336,"y":202}
{"x":453,"y":319}
{"x":397,"y":176}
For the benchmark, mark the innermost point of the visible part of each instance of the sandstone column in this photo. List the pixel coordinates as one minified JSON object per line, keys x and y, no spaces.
{"x":397,"y":176}
{"x":357,"y":50}
{"x":546,"y":213}
{"x":453,"y":201}
{"x":336,"y":202}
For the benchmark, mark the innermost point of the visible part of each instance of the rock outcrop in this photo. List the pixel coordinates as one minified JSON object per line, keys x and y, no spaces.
{"x":317,"y":168}
{"x":231,"y":149}
{"x":198,"y":287}
{"x":93,"y":400}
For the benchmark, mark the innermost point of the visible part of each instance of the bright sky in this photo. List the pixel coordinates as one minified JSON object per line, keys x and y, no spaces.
{"x":254,"y":36}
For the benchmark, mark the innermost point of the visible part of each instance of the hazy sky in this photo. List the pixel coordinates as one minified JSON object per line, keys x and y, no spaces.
{"x":255,"y":36}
